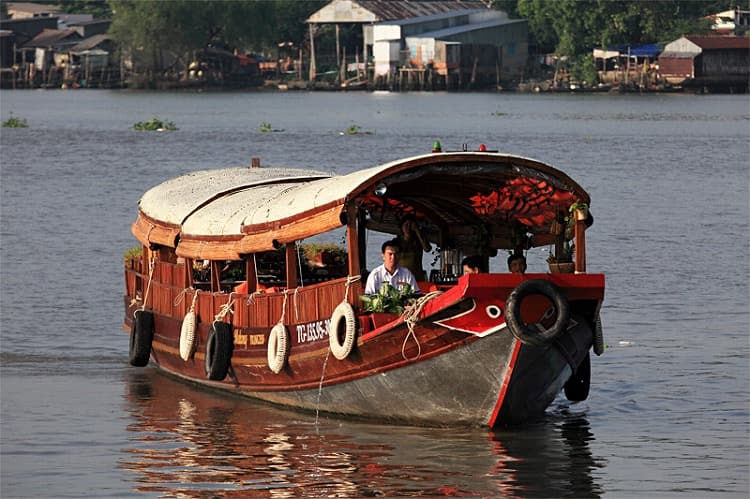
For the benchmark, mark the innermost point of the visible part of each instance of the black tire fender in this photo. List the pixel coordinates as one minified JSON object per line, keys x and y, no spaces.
{"x":577,"y":386}
{"x":536,"y":336}
{"x":219,"y":347}
{"x":141,"y":336}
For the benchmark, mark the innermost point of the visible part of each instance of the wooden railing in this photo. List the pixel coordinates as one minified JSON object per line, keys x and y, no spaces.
{"x":169,"y":296}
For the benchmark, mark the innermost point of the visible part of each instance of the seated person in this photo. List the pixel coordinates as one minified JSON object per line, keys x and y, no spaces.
{"x":472,"y":264}
{"x":390,"y":272}
{"x":517,"y":263}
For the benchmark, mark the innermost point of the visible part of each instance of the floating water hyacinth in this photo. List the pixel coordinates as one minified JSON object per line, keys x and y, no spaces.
{"x":14,"y":122}
{"x":154,"y":125}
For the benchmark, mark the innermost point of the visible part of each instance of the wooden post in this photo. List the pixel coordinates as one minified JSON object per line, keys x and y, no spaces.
{"x":361,"y":242}
{"x":312,"y":75}
{"x":216,"y":266}
{"x":338,"y":48}
{"x":188,"y":282}
{"x":354,"y":236}
{"x":580,"y":240}
{"x":292,"y":277}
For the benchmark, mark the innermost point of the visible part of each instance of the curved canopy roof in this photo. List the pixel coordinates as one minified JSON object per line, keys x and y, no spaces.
{"x":222,"y":214}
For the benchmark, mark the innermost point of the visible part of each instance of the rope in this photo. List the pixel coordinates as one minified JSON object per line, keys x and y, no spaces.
{"x":299,"y":263}
{"x":225,"y":309}
{"x":283,"y":307}
{"x":251,"y":297}
{"x":296,"y":311}
{"x":178,"y":299}
{"x":195,"y":298}
{"x":349,"y":280}
{"x":411,"y":317}
{"x":151,"y":265}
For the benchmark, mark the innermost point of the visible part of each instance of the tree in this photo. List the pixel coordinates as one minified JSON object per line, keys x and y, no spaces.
{"x":574,"y":27}
{"x":98,"y":8}
{"x":156,"y":34}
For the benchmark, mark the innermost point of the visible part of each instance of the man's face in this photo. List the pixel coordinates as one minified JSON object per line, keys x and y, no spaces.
{"x":390,"y":257}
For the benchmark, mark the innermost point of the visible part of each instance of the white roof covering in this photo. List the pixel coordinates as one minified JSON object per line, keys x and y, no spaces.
{"x":175,"y":200}
{"x":221,"y":214}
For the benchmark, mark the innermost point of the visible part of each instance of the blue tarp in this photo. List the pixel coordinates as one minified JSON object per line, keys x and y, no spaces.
{"x":652,"y":50}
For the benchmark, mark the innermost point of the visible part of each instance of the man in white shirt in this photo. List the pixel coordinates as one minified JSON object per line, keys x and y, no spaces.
{"x":390,"y":272}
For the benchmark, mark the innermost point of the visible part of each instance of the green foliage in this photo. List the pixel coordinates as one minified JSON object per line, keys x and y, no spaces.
{"x":98,"y":8}
{"x":133,"y":253}
{"x":332,"y":251}
{"x":389,"y":300}
{"x":356,"y":130}
{"x":574,"y":27}
{"x":149,"y":30}
{"x":154,"y":125}
{"x":13,"y":122}
{"x":566,"y":256}
{"x":266,"y":127}
{"x":583,"y":69}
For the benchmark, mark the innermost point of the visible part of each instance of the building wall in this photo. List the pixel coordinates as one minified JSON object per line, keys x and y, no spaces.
{"x":386,"y":56}
{"x":675,"y":69}
{"x":725,"y":62}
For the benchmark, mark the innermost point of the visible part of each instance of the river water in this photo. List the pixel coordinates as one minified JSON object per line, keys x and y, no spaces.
{"x":669,"y":409}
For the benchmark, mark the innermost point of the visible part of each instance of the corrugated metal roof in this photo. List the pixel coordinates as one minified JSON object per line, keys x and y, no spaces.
{"x":720,"y":42}
{"x":466,"y":28}
{"x":434,"y":17}
{"x":52,"y":37}
{"x":92,"y":42}
{"x":384,"y":10}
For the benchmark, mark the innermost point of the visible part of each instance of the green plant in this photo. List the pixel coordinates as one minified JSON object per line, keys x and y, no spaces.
{"x":566,"y":256}
{"x":389,"y":299}
{"x":266,"y":127}
{"x":356,"y":130}
{"x":14,"y":122}
{"x":154,"y":125}
{"x":578,"y":206}
{"x":133,"y":253}
{"x":328,"y":251}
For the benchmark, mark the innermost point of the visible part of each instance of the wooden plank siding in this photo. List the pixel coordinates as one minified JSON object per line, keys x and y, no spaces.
{"x":169,"y":297}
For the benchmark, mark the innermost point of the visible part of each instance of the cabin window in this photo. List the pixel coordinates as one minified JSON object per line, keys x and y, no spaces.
{"x":226,"y":274}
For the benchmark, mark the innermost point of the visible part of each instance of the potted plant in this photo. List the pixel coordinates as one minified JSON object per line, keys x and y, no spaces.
{"x":388,"y":303}
{"x":578,"y":211}
{"x":563,"y":262}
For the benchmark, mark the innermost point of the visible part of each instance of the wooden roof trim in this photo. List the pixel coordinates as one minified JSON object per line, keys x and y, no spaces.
{"x":149,"y":231}
{"x":260,"y":237}
{"x":217,"y":248}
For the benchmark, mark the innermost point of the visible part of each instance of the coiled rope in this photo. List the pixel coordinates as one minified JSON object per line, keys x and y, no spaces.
{"x":411,"y":317}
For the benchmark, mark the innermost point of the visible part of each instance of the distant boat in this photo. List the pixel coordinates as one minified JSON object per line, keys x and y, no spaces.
{"x":223,"y":295}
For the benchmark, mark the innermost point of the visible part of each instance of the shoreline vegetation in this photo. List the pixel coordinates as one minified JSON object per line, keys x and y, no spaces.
{"x":246,"y":45}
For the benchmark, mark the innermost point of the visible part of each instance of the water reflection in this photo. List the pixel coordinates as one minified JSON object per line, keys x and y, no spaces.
{"x":187,"y":442}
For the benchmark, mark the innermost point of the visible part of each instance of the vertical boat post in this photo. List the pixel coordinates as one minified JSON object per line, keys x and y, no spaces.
{"x":354,"y":235}
{"x":292,"y":277}
{"x":580,"y":241}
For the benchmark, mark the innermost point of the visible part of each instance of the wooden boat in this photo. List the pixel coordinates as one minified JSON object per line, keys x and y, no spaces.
{"x":221,"y":294}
